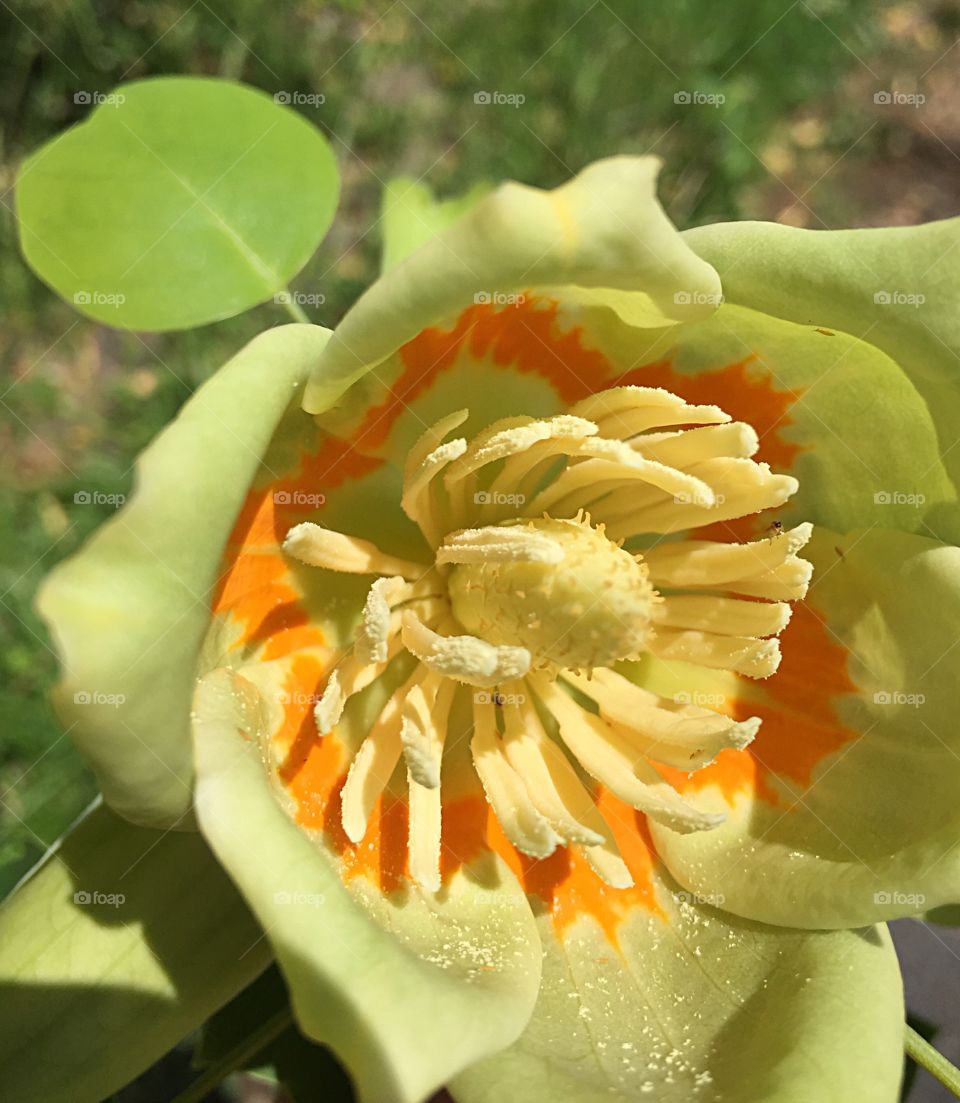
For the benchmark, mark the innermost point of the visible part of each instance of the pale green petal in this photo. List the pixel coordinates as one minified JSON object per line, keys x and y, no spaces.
{"x":862,"y":441}
{"x":895,"y":288}
{"x":695,"y":1005}
{"x":129,"y":611}
{"x":602,"y":230}
{"x":869,"y":830}
{"x":410,"y":215}
{"x":122,"y":941}
{"x":452,"y":980}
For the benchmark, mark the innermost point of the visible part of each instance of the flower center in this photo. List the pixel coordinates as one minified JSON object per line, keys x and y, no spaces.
{"x":527,"y":595}
{"x":579,"y":601}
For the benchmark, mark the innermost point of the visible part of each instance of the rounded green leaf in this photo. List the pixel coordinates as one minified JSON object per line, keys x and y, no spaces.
{"x":180,"y":201}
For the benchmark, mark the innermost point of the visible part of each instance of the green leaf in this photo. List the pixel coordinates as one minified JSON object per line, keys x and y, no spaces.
{"x":410,"y":216}
{"x":122,"y":941}
{"x":180,"y":201}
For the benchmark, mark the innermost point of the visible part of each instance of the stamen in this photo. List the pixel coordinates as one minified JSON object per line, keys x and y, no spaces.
{"x":614,"y":464}
{"x":684,"y":736}
{"x":505,"y":790}
{"x":426,"y":814}
{"x":741,"y":487}
{"x":374,"y":763}
{"x":623,"y":412}
{"x":350,"y":677}
{"x":497,"y":544}
{"x":607,"y":756}
{"x":464,"y":658}
{"x":423,"y":728}
{"x":552,"y":783}
{"x":739,"y":654}
{"x":320,"y":547}
{"x":376,"y":627}
{"x":768,"y":567}
{"x":687,"y":447}
{"x":727,"y":616}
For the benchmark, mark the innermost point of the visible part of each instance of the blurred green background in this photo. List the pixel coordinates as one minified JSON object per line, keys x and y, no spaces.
{"x":768,"y":110}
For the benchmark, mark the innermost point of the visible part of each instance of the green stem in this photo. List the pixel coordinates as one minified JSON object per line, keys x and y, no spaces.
{"x":235,"y":1058}
{"x":935,"y":1063}
{"x":295,"y":310}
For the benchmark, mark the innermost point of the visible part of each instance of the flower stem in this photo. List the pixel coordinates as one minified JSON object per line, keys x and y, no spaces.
{"x":933,"y":1061}
{"x":267,"y":1032}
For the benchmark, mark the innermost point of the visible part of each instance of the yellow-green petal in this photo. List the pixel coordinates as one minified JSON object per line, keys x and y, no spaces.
{"x":130,"y":610}
{"x":122,"y":941}
{"x":407,"y":992}
{"x":894,"y":288}
{"x":602,"y":231}
{"x":695,"y":1005}
{"x":848,"y":812}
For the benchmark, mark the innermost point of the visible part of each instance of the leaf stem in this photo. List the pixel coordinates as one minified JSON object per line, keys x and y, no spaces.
{"x":932,"y":1060}
{"x":267,"y":1032}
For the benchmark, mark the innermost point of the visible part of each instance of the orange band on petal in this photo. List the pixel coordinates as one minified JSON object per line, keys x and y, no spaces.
{"x":800,"y":726}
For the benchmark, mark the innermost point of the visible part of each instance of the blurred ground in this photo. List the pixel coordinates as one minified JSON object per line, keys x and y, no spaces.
{"x":818,"y":113}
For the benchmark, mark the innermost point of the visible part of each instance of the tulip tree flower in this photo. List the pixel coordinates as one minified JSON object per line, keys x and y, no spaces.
{"x":558,"y":657}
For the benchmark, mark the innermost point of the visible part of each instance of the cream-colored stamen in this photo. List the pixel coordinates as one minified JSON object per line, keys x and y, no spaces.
{"x":606,"y":755}
{"x":375,"y":627}
{"x":320,"y":547}
{"x":623,"y":412}
{"x":529,"y":594}
{"x":464,"y":658}
{"x":423,"y":728}
{"x":505,"y":790}
{"x":767,"y":568}
{"x":499,"y":545}
{"x":678,"y":734}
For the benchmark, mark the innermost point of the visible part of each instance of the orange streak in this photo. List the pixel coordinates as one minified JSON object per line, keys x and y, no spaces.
{"x":524,"y":337}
